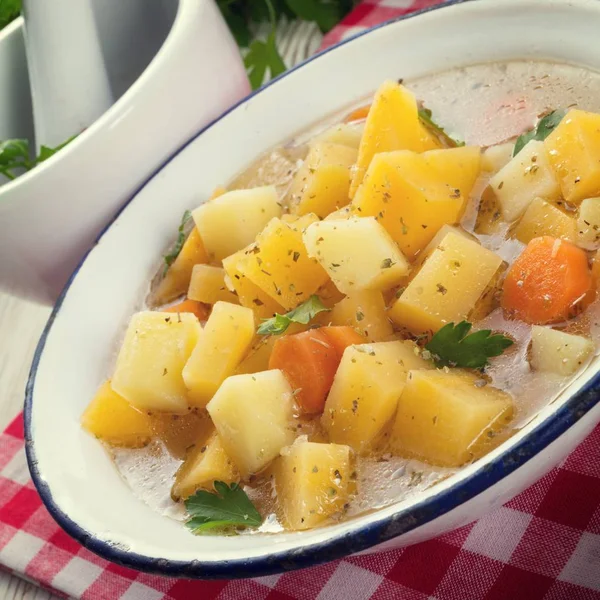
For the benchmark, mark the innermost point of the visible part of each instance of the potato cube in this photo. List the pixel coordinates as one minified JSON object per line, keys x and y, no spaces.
{"x":208,"y":462}
{"x":573,"y":149}
{"x":352,"y":264}
{"x":443,"y":417}
{"x":527,"y":176}
{"x":155,"y":349}
{"x":224,"y":342}
{"x":458,"y":167}
{"x":496,"y":157}
{"x":438,"y":237}
{"x":313,"y":482}
{"x":113,"y":420}
{"x":409,"y":198}
{"x":588,"y":223}
{"x":347,"y":134}
{"x":179,"y":432}
{"x":365,"y":311}
{"x":365,"y":391}
{"x":542,"y":218}
{"x":253,"y":415}
{"x":280,"y":266}
{"x":558,"y":352}
{"x":447,"y":287}
{"x":249,"y":294}
{"x":322,"y":184}
{"x":257,"y":359}
{"x":392,"y":124}
{"x":208,"y":285}
{"x":232,"y":221}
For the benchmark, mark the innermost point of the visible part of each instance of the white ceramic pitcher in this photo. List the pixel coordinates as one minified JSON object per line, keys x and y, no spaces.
{"x":191,"y":71}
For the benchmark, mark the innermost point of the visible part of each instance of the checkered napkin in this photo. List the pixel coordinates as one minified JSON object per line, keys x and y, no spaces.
{"x":544,"y":544}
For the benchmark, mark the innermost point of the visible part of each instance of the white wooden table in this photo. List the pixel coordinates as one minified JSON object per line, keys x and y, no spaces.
{"x":21,"y":322}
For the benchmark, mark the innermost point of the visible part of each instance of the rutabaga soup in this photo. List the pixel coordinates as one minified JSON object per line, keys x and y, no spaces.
{"x":369,"y":308}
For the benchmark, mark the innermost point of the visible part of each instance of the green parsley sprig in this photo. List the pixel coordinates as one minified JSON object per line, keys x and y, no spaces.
{"x":227,"y":509}
{"x":541,"y":131}
{"x":302,"y":314}
{"x":453,"y":346}
{"x":174,"y":253}
{"x":9,"y":10}
{"x":426,"y":117}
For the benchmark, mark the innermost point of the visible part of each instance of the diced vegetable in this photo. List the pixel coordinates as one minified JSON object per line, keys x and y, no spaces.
{"x":392,"y":124}
{"x":200,"y":311}
{"x":225,"y":340}
{"x":112,"y":419}
{"x":347,"y":134}
{"x":179,"y":432}
{"x":588,"y":224}
{"x":438,"y":237}
{"x":358,"y":114}
{"x":208,"y":285}
{"x":208,"y":462}
{"x":496,"y":157}
{"x":155,"y":349}
{"x":447,"y":287}
{"x":408,"y":198}
{"x":458,"y":167}
{"x":313,"y":482}
{"x":365,"y":311}
{"x":280,"y":266}
{"x":352,"y":264}
{"x":573,"y":149}
{"x":309,"y":361}
{"x":258,"y":357}
{"x":366,"y":389}
{"x":549,"y":282}
{"x":231,"y":221}
{"x":444,"y":418}
{"x":543,"y":218}
{"x":253,"y":415}
{"x":527,"y":176}
{"x":322,"y":184}
{"x":558,"y":352}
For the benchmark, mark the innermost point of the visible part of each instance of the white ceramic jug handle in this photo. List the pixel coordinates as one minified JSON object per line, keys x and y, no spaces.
{"x":69,"y":84}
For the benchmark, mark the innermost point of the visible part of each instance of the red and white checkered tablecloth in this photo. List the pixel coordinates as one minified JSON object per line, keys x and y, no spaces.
{"x":544,"y":544}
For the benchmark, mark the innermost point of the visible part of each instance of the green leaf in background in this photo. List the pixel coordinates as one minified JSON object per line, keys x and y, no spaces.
{"x":541,"y":131}
{"x":325,"y":14}
{"x":261,"y":57}
{"x":9,"y":10}
{"x":46,"y":152}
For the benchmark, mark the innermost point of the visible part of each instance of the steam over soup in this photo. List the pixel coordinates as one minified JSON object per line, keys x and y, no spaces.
{"x":367,"y":308}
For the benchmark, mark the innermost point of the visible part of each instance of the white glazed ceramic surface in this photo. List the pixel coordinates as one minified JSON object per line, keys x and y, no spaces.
{"x":50,"y":216}
{"x":72,"y":470}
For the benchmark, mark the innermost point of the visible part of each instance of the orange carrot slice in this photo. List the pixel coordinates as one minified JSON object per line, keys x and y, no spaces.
{"x":189,"y":306}
{"x":358,"y":114}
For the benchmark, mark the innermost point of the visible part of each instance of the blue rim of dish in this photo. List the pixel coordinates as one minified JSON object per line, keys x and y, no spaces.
{"x":340,"y":545}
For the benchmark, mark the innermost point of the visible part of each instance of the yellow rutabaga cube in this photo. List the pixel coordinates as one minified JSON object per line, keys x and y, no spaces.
{"x":207,"y":462}
{"x":496,"y":157}
{"x":249,"y":294}
{"x":365,"y":311}
{"x":313,"y":481}
{"x":409,"y":198}
{"x":392,"y":124}
{"x":155,"y":349}
{"x":224,"y":342}
{"x":231,"y":221}
{"x":527,"y":176}
{"x":113,"y":420}
{"x":208,"y":285}
{"x":366,"y":389}
{"x":443,"y":417}
{"x":588,"y":223}
{"x":437,"y":238}
{"x":558,"y":352}
{"x":322,"y":184}
{"x":542,"y":218}
{"x":279,"y":264}
{"x":357,"y":253}
{"x":179,"y":432}
{"x":347,"y":134}
{"x":447,"y":287}
{"x":253,"y":415}
{"x":573,"y":149}
{"x":458,"y":167}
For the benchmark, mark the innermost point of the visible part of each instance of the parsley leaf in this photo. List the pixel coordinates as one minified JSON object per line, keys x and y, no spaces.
{"x":325,"y":14}
{"x":541,"y":131}
{"x":229,"y":507}
{"x":170,"y":258}
{"x":9,"y":10}
{"x":452,"y":347}
{"x":426,"y":116}
{"x":301,"y":314}
{"x":262,"y":56}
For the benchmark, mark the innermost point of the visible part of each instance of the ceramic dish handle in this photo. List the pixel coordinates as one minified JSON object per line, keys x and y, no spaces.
{"x":69,"y":84}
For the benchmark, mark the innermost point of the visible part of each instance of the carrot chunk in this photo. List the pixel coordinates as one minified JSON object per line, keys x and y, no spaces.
{"x":341,"y":337}
{"x":358,"y":114}
{"x":189,"y":306}
{"x":549,"y":282}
